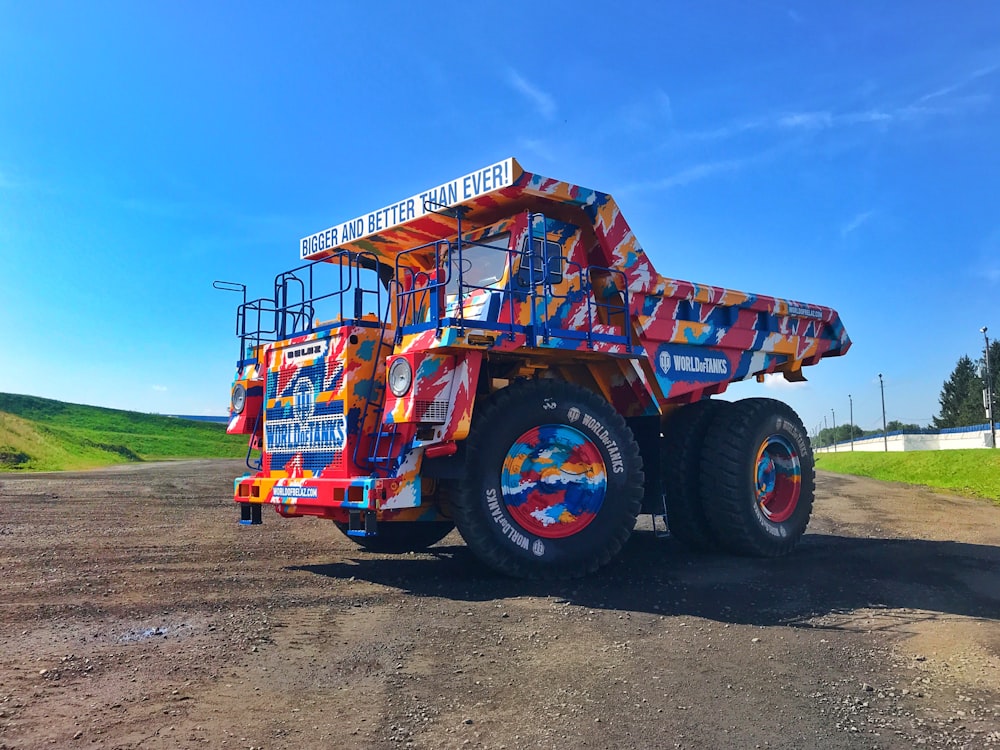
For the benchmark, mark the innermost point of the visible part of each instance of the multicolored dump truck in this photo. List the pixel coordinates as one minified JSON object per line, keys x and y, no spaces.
{"x":499,"y":355}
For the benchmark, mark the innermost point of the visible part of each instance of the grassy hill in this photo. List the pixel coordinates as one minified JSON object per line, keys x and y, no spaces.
{"x":974,"y":471}
{"x":39,"y":434}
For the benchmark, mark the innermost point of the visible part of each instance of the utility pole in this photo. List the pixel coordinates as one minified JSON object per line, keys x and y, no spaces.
{"x":885,"y":433}
{"x":851,"y":425}
{"x":989,"y":390}
{"x":834,"y":430}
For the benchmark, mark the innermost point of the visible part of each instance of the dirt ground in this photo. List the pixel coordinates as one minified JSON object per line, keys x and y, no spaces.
{"x":136,"y":613}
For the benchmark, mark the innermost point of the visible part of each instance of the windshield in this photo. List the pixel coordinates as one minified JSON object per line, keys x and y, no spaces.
{"x":483,"y":263}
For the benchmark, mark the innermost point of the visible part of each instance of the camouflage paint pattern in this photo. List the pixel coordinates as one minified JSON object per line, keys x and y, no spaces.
{"x":592,"y":309}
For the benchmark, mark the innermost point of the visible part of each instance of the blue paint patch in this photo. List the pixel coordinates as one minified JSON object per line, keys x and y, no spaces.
{"x":364,"y":388}
{"x":367,"y":350}
{"x":353,"y":419}
{"x":429,"y":367}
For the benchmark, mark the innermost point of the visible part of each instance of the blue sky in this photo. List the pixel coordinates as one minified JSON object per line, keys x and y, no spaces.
{"x":839,"y":153}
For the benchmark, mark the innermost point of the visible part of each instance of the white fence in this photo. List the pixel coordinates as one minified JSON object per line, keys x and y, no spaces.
{"x":926,"y":440}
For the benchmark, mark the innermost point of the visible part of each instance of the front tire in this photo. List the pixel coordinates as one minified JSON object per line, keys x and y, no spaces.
{"x":553,"y":481}
{"x":758,"y":478}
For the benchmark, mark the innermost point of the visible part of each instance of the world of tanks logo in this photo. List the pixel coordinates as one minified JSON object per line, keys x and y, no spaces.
{"x":665,"y":362}
{"x":692,"y":364}
{"x":573,"y":414}
{"x":303,"y":400}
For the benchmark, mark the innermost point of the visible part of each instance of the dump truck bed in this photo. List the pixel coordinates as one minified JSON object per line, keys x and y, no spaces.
{"x":687,"y":340}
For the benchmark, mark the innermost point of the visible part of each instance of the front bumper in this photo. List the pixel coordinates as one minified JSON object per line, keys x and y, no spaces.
{"x":328,"y":497}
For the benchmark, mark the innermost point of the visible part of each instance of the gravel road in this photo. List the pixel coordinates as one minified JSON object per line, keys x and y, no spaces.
{"x":136,"y":613}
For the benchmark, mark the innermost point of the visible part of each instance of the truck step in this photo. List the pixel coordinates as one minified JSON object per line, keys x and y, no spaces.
{"x":250,"y":514}
{"x":362,"y":523}
{"x":661,"y":530}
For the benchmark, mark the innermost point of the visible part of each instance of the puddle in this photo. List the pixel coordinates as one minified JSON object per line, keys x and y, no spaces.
{"x":159,"y":632}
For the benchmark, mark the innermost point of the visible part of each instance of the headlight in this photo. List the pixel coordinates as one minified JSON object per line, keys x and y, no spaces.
{"x":400,"y":377}
{"x":239,"y":399}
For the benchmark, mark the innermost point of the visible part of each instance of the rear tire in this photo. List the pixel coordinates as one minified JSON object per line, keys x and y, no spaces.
{"x":683,"y":441}
{"x":757,"y":478}
{"x":553,"y":481}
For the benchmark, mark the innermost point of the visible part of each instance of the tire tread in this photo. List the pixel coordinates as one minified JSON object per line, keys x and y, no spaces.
{"x":724,"y":465}
{"x":683,"y":441}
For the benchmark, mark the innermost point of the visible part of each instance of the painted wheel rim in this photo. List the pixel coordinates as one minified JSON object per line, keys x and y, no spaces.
{"x":553,"y":481}
{"x":778,"y":480}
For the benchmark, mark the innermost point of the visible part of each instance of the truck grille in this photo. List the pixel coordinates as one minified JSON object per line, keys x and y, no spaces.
{"x":303,"y":428}
{"x":432,"y":411}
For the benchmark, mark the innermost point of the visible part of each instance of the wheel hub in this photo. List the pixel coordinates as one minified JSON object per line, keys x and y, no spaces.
{"x":553,"y":481}
{"x":778,"y":478}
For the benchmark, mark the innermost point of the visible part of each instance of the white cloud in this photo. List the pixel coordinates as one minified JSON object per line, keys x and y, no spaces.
{"x":785,"y":121}
{"x":699,"y":172}
{"x":544,"y":102}
{"x":663,"y":105}
{"x":938,"y":103}
{"x":805,"y":120}
{"x":649,"y":113}
{"x":685,"y":176}
{"x":793,"y":129}
{"x":726,"y":131}
{"x":866,"y":117}
{"x":989,"y":264}
{"x":160,"y":388}
{"x":777,"y":382}
{"x":537,"y":147}
{"x":696,"y":173}
{"x":856,"y":223}
{"x":961,"y":83}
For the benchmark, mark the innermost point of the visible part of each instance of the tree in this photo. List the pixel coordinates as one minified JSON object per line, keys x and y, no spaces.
{"x":846,"y":431}
{"x":962,"y":396}
{"x":995,"y":373}
{"x":829,"y":436}
{"x":897,"y":426}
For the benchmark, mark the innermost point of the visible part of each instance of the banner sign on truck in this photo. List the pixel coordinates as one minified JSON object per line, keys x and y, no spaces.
{"x":480,"y":182}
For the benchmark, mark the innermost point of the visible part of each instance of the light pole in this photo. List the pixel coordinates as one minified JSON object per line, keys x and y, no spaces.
{"x":834,"y":430}
{"x":851,"y":425}
{"x":989,"y":389}
{"x":885,"y":434}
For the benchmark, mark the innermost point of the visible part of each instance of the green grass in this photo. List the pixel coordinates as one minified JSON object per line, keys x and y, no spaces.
{"x":39,"y":434}
{"x":974,"y":472}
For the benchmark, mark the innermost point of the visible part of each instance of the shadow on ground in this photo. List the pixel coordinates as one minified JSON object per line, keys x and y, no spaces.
{"x":826,"y":575}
